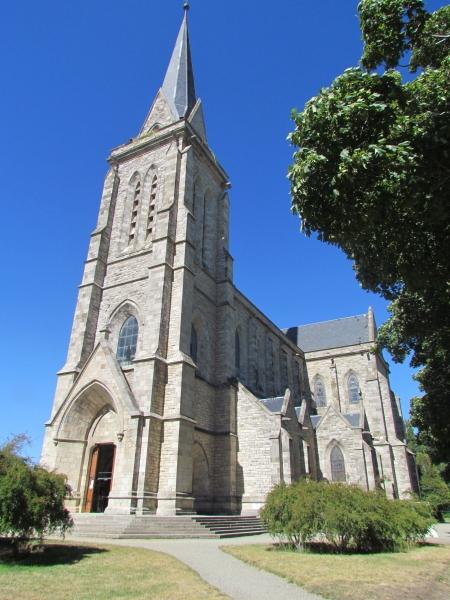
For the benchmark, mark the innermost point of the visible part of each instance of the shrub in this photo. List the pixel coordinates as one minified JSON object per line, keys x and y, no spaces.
{"x":433,"y":488}
{"x":31,"y":498}
{"x":345,"y":516}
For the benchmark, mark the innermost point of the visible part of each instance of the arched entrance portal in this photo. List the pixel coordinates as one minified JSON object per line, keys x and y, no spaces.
{"x":92,"y":426}
{"x":100,"y":474}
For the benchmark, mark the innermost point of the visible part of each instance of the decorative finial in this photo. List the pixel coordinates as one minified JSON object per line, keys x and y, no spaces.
{"x":186,"y":6}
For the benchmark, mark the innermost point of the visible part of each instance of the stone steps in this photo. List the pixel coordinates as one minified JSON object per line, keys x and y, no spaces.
{"x":141,"y":527}
{"x":233,"y":526}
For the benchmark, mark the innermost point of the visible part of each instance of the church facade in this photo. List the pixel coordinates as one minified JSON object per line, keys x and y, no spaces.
{"x":178,"y":394}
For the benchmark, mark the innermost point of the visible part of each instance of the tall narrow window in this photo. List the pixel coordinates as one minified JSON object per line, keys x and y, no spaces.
{"x":353,"y":389}
{"x":283,"y":369}
{"x":134,"y":212}
{"x":319,"y":392}
{"x":205,"y":207}
{"x":337,"y":464}
{"x":194,"y":194}
{"x":151,"y":208}
{"x":126,"y":347}
{"x":237,"y":352}
{"x":194,"y":344}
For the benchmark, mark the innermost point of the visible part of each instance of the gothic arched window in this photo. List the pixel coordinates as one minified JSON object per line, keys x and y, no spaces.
{"x":237,"y":352}
{"x":126,"y":346}
{"x":134,"y":212}
{"x":151,"y":207}
{"x":353,"y":389}
{"x":320,"y":395}
{"x":337,"y":464}
{"x":194,"y":344}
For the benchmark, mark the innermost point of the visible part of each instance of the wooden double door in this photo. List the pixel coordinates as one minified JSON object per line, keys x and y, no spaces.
{"x":100,"y":474}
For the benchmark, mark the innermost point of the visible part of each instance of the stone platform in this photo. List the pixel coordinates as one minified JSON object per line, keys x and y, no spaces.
{"x":95,"y":525}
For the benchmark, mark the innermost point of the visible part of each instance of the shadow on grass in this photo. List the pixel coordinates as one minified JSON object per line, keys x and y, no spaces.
{"x":52,"y":554}
{"x":327,"y":548}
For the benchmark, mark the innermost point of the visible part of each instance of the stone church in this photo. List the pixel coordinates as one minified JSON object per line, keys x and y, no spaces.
{"x":178,"y":394}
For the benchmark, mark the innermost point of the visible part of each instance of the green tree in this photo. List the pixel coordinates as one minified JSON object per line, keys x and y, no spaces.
{"x":371,"y":174}
{"x":433,"y":488}
{"x":31,"y":498}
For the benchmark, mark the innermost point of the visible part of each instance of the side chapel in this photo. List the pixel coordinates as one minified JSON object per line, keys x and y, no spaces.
{"x":178,"y":395}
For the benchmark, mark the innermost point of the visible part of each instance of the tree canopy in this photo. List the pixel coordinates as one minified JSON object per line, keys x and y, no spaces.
{"x":31,"y":498}
{"x":371,"y":174}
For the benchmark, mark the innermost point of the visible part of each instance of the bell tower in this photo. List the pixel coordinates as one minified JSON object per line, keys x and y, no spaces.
{"x":141,"y":381}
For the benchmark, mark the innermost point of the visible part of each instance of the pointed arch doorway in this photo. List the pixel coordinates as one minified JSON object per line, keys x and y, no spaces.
{"x":100,"y":475}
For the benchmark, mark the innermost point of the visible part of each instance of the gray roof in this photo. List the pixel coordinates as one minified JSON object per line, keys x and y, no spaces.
{"x":330,"y":334}
{"x":315,"y":420}
{"x":353,"y":419}
{"x":178,"y":86}
{"x":273,"y":404}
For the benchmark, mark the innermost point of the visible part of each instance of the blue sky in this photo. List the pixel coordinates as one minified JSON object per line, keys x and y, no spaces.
{"x":77,"y":80}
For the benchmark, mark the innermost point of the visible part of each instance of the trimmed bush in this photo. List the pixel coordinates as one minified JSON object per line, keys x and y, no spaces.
{"x":344,"y":516}
{"x":31,"y":498}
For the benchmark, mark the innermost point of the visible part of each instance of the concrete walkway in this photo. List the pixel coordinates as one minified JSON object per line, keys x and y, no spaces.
{"x":228,"y":574}
{"x":443,"y":533}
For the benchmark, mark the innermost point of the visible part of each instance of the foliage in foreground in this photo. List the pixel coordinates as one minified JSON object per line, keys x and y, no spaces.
{"x":433,"y":488}
{"x":31,"y":498}
{"x":371,"y":175}
{"x":346,"y":516}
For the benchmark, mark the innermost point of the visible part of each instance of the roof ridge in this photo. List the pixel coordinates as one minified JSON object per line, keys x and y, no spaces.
{"x":329,"y":321}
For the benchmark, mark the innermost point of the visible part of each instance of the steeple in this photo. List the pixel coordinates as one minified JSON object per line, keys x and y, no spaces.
{"x":177,"y":98}
{"x":178,"y":86}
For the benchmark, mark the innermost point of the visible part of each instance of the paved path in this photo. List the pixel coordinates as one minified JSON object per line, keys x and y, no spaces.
{"x":231,"y":576}
{"x":443,"y":532}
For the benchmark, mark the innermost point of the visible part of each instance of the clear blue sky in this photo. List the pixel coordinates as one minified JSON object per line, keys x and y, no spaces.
{"x":77,"y":80}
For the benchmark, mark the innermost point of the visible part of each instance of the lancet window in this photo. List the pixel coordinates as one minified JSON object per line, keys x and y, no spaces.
{"x":353,"y":389}
{"x":237,"y":352}
{"x":134,"y":212}
{"x":337,"y":464}
{"x":152,"y":207}
{"x":320,"y":395}
{"x":194,"y":344}
{"x":126,"y":346}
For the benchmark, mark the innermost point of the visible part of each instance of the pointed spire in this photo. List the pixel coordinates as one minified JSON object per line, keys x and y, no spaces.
{"x":372,"y":325}
{"x":178,"y":86}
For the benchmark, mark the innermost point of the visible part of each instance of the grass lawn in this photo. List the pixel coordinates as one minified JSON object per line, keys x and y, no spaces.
{"x":67,"y":571}
{"x":420,"y":574}
{"x":446,"y":514}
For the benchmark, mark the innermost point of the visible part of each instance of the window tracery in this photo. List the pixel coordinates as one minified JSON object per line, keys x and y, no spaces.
{"x":320,"y":395}
{"x":126,"y":345}
{"x":337,"y":464}
{"x":353,"y":389}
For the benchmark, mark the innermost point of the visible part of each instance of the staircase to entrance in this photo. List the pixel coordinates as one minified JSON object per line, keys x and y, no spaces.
{"x":99,"y":525}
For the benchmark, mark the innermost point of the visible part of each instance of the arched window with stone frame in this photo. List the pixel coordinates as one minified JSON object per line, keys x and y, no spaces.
{"x":337,"y":464}
{"x":320,"y":394}
{"x":353,"y":389}
{"x":127,"y":342}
